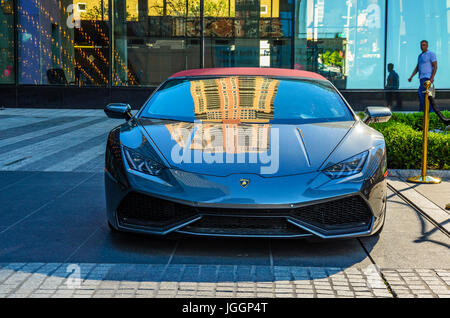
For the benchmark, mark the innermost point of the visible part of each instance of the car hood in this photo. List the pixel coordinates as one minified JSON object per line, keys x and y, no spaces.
{"x":221,"y":149}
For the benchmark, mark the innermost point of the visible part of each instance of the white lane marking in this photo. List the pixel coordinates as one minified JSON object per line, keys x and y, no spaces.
{"x":50,"y":129}
{"x":78,"y":159}
{"x":53,"y":145}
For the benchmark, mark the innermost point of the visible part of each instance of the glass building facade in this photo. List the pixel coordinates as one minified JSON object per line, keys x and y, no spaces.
{"x":139,"y":43}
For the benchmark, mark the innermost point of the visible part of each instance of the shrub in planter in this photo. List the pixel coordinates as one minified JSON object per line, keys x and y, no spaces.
{"x":415,"y":120}
{"x":404,"y":147}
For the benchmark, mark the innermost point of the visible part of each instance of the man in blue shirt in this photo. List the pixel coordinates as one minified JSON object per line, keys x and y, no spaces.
{"x":427,"y":68}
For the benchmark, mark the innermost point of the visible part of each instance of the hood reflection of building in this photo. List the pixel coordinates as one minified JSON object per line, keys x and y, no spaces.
{"x":224,"y":106}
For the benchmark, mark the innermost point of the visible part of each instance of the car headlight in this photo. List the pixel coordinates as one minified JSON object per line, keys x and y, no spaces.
{"x":347,"y":167}
{"x":140,"y":163}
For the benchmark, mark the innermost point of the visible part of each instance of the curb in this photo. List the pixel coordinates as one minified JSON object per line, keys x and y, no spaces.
{"x":408,"y":173}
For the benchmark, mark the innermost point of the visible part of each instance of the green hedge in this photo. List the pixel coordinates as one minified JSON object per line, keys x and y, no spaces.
{"x":404,"y":141}
{"x":415,"y":120}
{"x":404,"y":147}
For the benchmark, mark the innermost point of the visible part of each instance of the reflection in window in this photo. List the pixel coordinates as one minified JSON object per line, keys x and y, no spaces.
{"x":63,"y":42}
{"x":411,"y":21}
{"x":234,"y":99}
{"x":342,"y":40}
{"x":6,"y":42}
{"x":222,"y":104}
{"x":230,"y":138}
{"x":247,"y":99}
{"x":154,"y":39}
{"x":253,"y":33}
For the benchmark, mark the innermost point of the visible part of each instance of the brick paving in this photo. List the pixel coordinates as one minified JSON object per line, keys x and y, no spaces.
{"x":58,"y":280}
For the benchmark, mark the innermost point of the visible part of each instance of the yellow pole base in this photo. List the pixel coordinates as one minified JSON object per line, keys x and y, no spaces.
{"x":447,"y":206}
{"x":427,"y":179}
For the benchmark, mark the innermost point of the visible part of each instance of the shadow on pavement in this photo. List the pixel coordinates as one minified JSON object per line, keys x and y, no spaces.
{"x":59,"y":218}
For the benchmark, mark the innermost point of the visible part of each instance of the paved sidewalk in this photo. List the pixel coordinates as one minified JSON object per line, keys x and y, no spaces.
{"x":431,"y":198}
{"x":439,"y":194}
{"x":59,"y":280}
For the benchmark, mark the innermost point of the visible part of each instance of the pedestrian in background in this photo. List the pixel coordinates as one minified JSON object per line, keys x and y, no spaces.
{"x":392,"y":86}
{"x":427,"y":68}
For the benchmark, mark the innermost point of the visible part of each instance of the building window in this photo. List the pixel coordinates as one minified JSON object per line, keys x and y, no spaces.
{"x":81,"y":7}
{"x":6,"y":42}
{"x":263,"y":9}
{"x":409,"y":23}
{"x":63,"y":45}
{"x":248,"y":33}
{"x":67,"y":42}
{"x":160,"y":38}
{"x":342,"y":40}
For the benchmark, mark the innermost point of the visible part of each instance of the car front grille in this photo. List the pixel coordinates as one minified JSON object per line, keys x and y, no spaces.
{"x":140,"y":209}
{"x":336,"y":215}
{"x":343,"y":213}
{"x":245,"y":226}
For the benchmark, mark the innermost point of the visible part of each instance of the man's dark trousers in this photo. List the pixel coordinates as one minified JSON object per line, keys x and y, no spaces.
{"x":421,"y":93}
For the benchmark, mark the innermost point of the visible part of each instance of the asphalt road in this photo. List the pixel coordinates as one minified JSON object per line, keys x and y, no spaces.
{"x":52,"y":210}
{"x":60,"y":217}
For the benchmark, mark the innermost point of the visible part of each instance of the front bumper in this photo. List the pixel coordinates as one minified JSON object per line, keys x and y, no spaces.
{"x":297,"y":206}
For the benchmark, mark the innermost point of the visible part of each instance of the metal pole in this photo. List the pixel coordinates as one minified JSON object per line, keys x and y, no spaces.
{"x":202,"y":37}
{"x":386,"y":19}
{"x":111,"y":20}
{"x":292,"y":32}
{"x":424,"y":178}
{"x":16,"y":50}
{"x":426,"y":127}
{"x":102,"y":8}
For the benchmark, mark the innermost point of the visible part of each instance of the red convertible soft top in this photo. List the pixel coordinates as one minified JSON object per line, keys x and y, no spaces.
{"x":252,"y":71}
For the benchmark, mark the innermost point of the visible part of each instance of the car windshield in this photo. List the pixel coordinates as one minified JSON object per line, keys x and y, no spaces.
{"x":256,"y":99}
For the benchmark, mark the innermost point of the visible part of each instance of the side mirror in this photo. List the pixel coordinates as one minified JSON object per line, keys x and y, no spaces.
{"x":118,"y":111}
{"x":377,"y":115}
